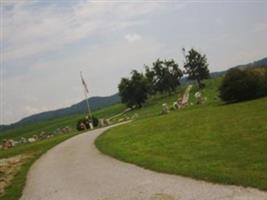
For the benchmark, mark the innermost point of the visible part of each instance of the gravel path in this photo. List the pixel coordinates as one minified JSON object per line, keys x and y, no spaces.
{"x":76,"y":170}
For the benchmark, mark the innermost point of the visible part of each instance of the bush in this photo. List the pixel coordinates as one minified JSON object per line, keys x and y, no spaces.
{"x":78,"y":125}
{"x":95,"y":121}
{"x":240,"y":85}
{"x":86,"y":122}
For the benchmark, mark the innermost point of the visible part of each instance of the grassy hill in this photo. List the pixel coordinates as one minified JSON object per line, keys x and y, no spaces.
{"x":213,"y":142}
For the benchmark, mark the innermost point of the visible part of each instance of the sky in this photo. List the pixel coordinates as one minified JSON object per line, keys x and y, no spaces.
{"x":46,"y":43}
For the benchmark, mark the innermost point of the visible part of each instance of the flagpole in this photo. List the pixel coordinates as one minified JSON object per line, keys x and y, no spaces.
{"x":86,"y":98}
{"x":87,"y":102}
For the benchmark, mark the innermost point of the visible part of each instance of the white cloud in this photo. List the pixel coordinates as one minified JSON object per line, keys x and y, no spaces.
{"x":132,"y":37}
{"x":30,"y":29}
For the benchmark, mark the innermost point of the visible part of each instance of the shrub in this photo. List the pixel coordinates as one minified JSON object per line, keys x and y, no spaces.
{"x":86,"y":121}
{"x":240,"y":85}
{"x":95,"y":121}
{"x":78,"y":125}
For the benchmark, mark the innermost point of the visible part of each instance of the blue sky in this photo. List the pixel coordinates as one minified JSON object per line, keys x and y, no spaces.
{"x":45,"y":44}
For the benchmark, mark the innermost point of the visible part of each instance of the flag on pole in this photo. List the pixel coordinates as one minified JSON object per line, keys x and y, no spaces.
{"x":84,"y":84}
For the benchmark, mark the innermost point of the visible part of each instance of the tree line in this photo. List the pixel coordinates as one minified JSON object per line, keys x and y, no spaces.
{"x":163,"y":76}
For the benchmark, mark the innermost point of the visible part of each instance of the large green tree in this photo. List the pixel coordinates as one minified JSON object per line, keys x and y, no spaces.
{"x":166,"y":75}
{"x":134,"y":91}
{"x":150,"y":78}
{"x":196,"y":67}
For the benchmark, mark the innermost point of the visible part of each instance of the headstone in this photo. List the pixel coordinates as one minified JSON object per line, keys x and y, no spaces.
{"x":68,"y":129}
{"x":35,"y":137}
{"x":23,"y":140}
{"x":101,"y":122}
{"x":185,"y":98}
{"x":107,"y":122}
{"x":199,"y":98}
{"x":121,"y":120}
{"x":135,"y":116}
{"x":165,"y":109}
{"x":91,"y":125}
{"x":6,"y":144}
{"x":175,"y":105}
{"x":31,"y":140}
{"x":64,"y":130}
{"x":13,"y":143}
{"x":179,"y":102}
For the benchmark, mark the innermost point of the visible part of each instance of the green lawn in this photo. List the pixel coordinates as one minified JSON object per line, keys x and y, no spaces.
{"x":213,"y":142}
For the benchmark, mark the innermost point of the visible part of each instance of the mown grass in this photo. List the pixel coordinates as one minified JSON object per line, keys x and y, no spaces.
{"x":214,"y":142}
{"x":35,"y":150}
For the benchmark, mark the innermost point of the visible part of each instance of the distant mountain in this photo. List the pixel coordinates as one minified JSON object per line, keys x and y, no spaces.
{"x":95,"y":103}
{"x":259,"y":63}
{"x":255,"y":64}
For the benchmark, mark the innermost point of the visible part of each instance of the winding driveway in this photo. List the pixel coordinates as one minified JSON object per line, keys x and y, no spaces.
{"x":76,"y":170}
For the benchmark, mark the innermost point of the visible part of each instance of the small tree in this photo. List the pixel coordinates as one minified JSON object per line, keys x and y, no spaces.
{"x":196,"y":67}
{"x":134,"y":91}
